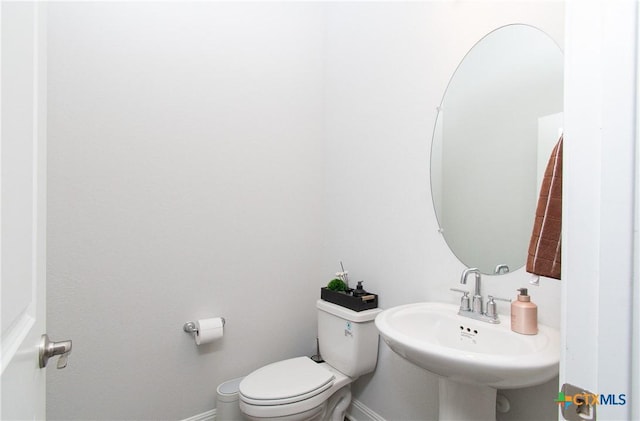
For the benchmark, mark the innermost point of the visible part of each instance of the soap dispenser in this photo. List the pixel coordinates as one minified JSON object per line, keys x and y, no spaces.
{"x":359,"y":291}
{"x":524,"y":314}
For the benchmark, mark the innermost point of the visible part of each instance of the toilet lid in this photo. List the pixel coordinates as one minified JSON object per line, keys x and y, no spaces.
{"x":285,"y":381}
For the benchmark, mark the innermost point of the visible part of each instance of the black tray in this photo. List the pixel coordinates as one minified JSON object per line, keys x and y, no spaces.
{"x":349,"y":301}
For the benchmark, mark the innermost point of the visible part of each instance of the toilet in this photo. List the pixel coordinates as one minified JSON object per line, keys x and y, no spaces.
{"x":299,"y":389}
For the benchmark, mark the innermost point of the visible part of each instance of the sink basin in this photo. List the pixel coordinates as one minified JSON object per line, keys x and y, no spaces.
{"x":434,"y":337}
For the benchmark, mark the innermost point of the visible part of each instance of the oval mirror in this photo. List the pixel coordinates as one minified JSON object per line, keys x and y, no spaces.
{"x":498,"y":121}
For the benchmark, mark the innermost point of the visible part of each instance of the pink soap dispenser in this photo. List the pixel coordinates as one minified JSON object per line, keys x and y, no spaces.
{"x":524,"y":314}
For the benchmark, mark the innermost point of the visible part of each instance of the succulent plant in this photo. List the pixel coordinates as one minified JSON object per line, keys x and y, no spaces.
{"x":337,"y":285}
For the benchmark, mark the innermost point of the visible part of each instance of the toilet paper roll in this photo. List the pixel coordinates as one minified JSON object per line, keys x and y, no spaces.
{"x":209,"y":330}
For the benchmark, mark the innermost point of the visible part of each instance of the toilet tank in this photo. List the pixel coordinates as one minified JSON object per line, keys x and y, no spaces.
{"x":348,"y":339}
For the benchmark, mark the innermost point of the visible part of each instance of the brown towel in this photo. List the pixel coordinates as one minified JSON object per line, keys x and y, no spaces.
{"x":544,"y":247}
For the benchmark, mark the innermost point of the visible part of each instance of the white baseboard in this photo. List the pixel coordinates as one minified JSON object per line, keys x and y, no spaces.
{"x":358,"y":411}
{"x":205,"y":416}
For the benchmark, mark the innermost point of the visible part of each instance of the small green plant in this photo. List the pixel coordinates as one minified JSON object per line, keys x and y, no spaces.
{"x":337,"y":285}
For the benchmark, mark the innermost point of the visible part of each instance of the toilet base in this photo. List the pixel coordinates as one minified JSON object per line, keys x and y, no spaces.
{"x":314,"y":414}
{"x":338,"y":404}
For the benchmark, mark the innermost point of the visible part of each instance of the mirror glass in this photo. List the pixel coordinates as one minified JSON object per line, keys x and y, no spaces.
{"x":498,"y":121}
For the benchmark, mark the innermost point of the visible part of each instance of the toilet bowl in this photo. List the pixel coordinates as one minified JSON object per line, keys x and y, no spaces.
{"x":299,"y":389}
{"x":296,"y":389}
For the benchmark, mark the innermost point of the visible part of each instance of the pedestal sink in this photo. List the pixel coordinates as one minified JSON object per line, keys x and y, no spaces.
{"x":473,"y":358}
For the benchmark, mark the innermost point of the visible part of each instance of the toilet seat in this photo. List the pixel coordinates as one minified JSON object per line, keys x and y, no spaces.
{"x":285,"y":382}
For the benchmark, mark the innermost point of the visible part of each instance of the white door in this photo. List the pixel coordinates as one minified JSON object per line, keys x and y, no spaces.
{"x":600,"y":267}
{"x":23,"y":210}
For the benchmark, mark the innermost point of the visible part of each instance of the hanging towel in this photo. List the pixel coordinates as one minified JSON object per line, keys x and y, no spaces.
{"x":544,"y":247}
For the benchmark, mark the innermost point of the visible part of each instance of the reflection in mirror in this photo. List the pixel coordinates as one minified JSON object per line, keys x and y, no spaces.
{"x":498,"y":121}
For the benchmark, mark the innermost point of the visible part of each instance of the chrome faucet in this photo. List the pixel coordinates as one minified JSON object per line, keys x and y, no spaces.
{"x":477,"y":296}
{"x":475,"y":310}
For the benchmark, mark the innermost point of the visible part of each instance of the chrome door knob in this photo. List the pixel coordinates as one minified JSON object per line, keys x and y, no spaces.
{"x":49,"y":349}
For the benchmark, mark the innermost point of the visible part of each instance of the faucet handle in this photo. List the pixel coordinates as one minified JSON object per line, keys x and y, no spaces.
{"x":491,"y":298}
{"x":464,"y":300}
{"x":491,"y":306}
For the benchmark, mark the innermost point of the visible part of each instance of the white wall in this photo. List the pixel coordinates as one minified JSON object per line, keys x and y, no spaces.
{"x":388,"y":65}
{"x":202,"y":152}
{"x":185,"y":170}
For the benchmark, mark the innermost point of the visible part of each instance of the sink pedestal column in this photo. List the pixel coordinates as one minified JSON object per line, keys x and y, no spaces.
{"x":464,"y":402}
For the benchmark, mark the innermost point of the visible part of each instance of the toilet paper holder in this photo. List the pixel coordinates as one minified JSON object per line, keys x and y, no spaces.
{"x":191,"y":327}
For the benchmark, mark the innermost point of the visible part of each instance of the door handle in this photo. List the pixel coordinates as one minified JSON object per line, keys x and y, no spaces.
{"x":49,"y":349}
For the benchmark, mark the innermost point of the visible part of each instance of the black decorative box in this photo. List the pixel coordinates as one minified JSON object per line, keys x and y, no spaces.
{"x":346,"y":299}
